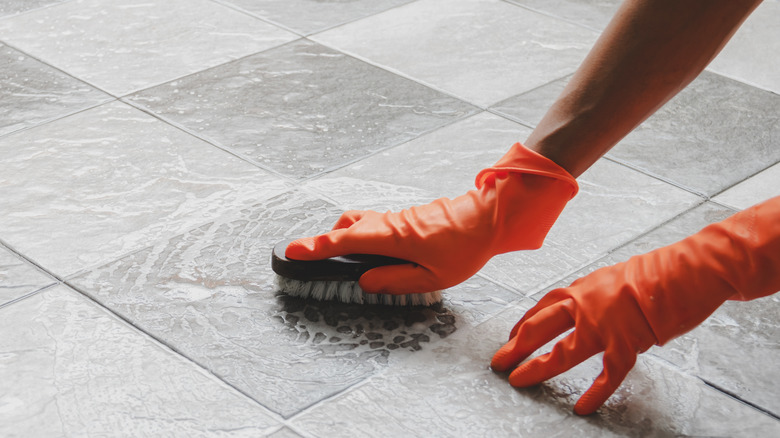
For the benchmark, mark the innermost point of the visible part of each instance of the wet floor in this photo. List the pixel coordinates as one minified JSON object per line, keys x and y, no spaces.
{"x":153,"y":152}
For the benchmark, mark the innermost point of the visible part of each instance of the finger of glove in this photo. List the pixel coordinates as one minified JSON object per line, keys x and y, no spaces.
{"x":399,"y":280}
{"x":320,"y":247}
{"x":534,"y":333}
{"x":552,"y":298}
{"x":617,"y":364}
{"x":566,"y":354}
{"x":349,"y":218}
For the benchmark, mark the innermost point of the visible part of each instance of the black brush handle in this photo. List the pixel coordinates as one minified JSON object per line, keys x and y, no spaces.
{"x":342,"y":268}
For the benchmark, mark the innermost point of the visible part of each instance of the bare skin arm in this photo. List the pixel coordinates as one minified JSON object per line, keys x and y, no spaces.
{"x":649,"y":52}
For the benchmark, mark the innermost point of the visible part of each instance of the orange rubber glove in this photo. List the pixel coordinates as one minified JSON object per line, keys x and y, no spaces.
{"x":448,"y":241}
{"x":624,"y":309}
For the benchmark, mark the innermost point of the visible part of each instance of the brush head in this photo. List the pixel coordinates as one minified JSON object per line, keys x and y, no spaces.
{"x":337,"y":278}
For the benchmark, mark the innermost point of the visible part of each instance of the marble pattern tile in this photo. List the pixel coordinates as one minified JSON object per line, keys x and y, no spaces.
{"x":737,"y":347}
{"x":11,"y":7}
{"x":451,"y":391}
{"x":209,"y":293}
{"x":751,"y":55}
{"x":126,"y":45}
{"x":480,"y":50}
{"x":714,"y":134}
{"x":79,"y":371}
{"x":309,"y":16}
{"x":103,"y":182}
{"x":302,"y":108}
{"x":594,"y":14}
{"x":753,"y":190}
{"x":444,"y":162}
{"x":18,"y":277}
{"x":32,"y":92}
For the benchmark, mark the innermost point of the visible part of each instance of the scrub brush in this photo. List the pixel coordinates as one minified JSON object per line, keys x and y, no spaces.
{"x":337,"y":278}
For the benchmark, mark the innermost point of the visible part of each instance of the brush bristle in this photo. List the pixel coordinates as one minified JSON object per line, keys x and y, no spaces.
{"x":351,"y":292}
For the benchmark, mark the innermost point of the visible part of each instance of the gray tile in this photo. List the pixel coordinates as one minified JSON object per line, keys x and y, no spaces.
{"x":751,"y":55}
{"x":11,"y":7}
{"x":71,"y":369}
{"x":594,"y":14}
{"x":126,"y":45}
{"x":302,"y":108}
{"x":715,"y":133}
{"x":307,"y":16}
{"x":737,"y":347}
{"x":95,"y":185}
{"x":474,"y":49}
{"x":32,"y":92}
{"x":18,"y":277}
{"x":444,"y":162}
{"x":753,"y":190}
{"x":450,"y":391}
{"x":210,"y":294}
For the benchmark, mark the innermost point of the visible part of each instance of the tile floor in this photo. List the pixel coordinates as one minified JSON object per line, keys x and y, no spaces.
{"x":152,"y":152}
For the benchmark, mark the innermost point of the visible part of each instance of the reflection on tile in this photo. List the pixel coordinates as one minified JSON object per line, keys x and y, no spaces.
{"x":450,"y":391}
{"x":307,"y":16}
{"x":31,"y":92}
{"x":751,"y":55}
{"x":106,"y":181}
{"x":594,"y":14}
{"x":736,"y":348}
{"x":302,"y":108}
{"x":126,"y":45}
{"x":481,"y":50}
{"x":444,"y":162}
{"x":712,"y":135}
{"x":615,"y":204}
{"x":753,"y":190}
{"x":10,"y":7}
{"x":77,"y":371}
{"x":210,"y":294}
{"x":18,"y":278}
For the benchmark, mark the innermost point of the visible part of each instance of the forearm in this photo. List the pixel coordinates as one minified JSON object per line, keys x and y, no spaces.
{"x":649,"y":52}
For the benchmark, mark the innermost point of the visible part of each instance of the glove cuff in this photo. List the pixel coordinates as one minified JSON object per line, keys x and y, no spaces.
{"x":520,"y":159}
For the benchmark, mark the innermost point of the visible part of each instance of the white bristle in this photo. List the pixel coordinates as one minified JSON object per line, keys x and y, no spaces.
{"x":351,"y":292}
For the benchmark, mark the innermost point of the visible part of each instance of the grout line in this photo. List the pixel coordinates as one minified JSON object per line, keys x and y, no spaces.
{"x":737,"y":397}
{"x":59,"y":117}
{"x":161,"y":343}
{"x":28,"y":11}
{"x":54,"y":67}
{"x":372,"y":14}
{"x":400,"y":74}
{"x":551,"y":15}
{"x":209,"y":141}
{"x":28,"y":295}
{"x":248,"y":13}
{"x":718,"y":388}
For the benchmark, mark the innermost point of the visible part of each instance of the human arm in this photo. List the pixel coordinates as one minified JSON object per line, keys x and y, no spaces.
{"x":651,"y":50}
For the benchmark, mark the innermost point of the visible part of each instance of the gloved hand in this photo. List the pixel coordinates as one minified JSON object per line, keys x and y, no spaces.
{"x":624,"y":309}
{"x":448,"y":241}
